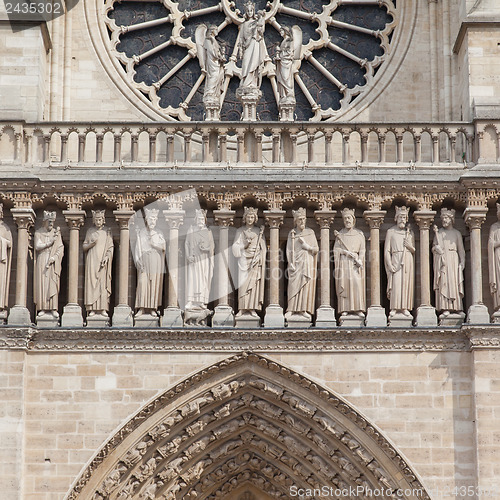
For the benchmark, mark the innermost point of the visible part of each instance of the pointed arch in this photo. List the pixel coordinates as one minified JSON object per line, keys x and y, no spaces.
{"x":244,"y":425}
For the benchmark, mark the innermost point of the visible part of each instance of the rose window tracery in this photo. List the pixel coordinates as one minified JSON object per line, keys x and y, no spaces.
{"x":341,"y":47}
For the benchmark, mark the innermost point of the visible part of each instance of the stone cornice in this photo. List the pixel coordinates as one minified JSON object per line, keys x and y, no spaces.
{"x":485,"y":337}
{"x":265,"y":340}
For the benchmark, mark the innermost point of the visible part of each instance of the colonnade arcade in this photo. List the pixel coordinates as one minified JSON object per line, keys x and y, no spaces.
{"x":374,"y":208}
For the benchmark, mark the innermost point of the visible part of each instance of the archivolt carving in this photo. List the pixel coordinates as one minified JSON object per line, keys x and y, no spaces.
{"x":246,"y":419}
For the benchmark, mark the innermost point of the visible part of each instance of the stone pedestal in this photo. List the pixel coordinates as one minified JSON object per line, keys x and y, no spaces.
{"x":147,"y":321}
{"x":454,"y":319}
{"x":47,"y":321}
{"x":19,"y":316}
{"x":72,"y":316}
{"x":212,"y":111}
{"x":352,"y":321}
{"x":286,"y":111}
{"x":478,"y":314}
{"x":297,"y":321}
{"x":122,"y":317}
{"x":172,"y":318}
{"x":400,"y":320}
{"x":249,"y":96}
{"x":325,"y":317}
{"x":375,"y":317}
{"x":426,"y":317}
{"x":247,"y":321}
{"x":97,"y":321}
{"x":274,"y":317}
{"x":223,"y":316}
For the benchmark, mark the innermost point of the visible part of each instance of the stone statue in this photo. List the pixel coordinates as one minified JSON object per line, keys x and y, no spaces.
{"x":399,"y":257}
{"x":211,"y":55}
{"x":149,"y":256}
{"x":494,"y":260}
{"x":349,"y":257}
{"x":252,"y":48}
{"x":98,"y":246}
{"x":301,"y":251}
{"x":286,"y":53}
{"x":5,"y":262}
{"x":199,"y":263}
{"x":249,"y":247}
{"x":49,"y":251}
{"x":449,"y":264}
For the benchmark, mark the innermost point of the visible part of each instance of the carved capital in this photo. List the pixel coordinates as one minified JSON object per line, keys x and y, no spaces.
{"x":274,"y":218}
{"x":424,"y":219}
{"x":24,"y":217}
{"x":174,"y":218}
{"x":374,"y":218}
{"x":224,"y":218}
{"x":74,"y":218}
{"x":324,"y":218}
{"x":123,"y":217}
{"x":474,"y":217}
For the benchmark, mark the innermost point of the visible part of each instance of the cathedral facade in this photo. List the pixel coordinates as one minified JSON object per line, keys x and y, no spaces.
{"x":250,"y":250}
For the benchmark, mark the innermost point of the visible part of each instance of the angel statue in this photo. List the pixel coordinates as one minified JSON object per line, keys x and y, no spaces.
{"x":286,"y":54}
{"x":211,"y":55}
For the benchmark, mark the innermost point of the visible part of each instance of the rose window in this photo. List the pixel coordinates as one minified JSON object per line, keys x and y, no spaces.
{"x":342,"y":45}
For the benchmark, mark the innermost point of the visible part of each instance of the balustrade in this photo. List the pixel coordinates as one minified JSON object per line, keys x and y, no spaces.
{"x":322,"y":144}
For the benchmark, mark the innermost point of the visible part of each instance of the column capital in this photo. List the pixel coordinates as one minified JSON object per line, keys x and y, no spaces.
{"x":123,"y":217}
{"x":474,"y":217}
{"x":174,"y":218}
{"x":374,"y":218}
{"x":324,"y":218}
{"x":74,"y":218}
{"x":24,"y":217}
{"x":274,"y":218}
{"x":424,"y":218}
{"x":224,"y":218}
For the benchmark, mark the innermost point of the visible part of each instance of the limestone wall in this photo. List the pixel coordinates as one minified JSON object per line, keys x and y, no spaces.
{"x":422,"y":401}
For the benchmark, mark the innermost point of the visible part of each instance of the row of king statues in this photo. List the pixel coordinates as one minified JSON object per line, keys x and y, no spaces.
{"x":249,"y":248}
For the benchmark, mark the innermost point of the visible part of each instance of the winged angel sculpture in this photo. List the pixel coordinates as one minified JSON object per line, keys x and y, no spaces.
{"x":287,"y":60}
{"x":252,"y":50}
{"x":211,"y":55}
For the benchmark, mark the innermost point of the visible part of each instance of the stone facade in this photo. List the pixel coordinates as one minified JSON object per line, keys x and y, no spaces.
{"x":250,"y":409}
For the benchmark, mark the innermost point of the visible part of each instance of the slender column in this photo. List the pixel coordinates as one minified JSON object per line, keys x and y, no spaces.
{"x":328,"y":148}
{"x":426,"y":313}
{"x":19,"y":314}
{"x":122,"y":314}
{"x":478,"y":312}
{"x":72,"y":312}
{"x":274,"y":312}
{"x":325,"y":314}
{"x":172,"y":316}
{"x":376,"y":314}
{"x":223,"y":315}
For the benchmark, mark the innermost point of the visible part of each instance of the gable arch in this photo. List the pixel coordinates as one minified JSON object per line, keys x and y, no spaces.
{"x":245,"y":426}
